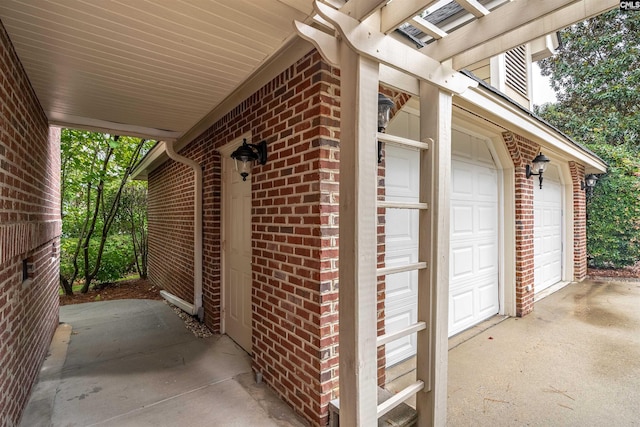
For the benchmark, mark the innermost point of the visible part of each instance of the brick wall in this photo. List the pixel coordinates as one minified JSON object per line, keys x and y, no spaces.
{"x":29,"y":233}
{"x":522,"y":151}
{"x":294,"y":230}
{"x":579,"y":222}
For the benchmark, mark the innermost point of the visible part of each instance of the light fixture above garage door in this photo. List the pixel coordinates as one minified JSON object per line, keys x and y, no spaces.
{"x":540,"y":163}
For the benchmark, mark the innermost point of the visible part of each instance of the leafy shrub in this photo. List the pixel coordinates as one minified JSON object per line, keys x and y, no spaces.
{"x":613,"y":211}
{"x":117,"y":258}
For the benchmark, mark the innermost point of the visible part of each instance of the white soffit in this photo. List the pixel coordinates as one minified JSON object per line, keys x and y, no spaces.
{"x":151,"y":68}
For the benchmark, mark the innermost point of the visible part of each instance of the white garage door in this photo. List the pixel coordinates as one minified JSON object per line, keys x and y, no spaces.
{"x":474,"y":260}
{"x":402,"y":184}
{"x":474,"y":248}
{"x":547,"y":231}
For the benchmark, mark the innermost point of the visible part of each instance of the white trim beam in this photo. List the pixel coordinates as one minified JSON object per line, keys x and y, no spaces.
{"x":104,"y":126}
{"x":396,"y":13}
{"x":358,"y":239}
{"x":433,"y":282}
{"x":368,"y":42}
{"x":473,"y":7}
{"x":362,"y":9}
{"x":512,"y":25}
{"x":511,"y":117}
{"x":327,"y":45}
{"x":428,"y":28}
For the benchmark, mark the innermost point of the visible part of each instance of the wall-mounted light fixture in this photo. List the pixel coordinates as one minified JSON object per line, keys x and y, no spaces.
{"x":588,"y":183}
{"x":539,"y":165}
{"x":384,"y":114}
{"x":247,"y":154}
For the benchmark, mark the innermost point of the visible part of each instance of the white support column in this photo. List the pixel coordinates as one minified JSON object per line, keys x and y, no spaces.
{"x":358,"y":239}
{"x":433,"y":293}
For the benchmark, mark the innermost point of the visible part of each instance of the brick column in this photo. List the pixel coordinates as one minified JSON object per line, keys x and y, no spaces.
{"x":579,"y":222}
{"x":522,"y":151}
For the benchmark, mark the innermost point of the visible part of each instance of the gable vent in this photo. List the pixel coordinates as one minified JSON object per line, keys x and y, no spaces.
{"x":516,"y":69}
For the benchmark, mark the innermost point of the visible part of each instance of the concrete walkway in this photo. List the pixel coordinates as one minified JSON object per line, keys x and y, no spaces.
{"x":133,"y":363}
{"x":575,"y":361}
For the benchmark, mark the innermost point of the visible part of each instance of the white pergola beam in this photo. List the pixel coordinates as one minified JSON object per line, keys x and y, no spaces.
{"x":433,"y":282}
{"x":428,"y":28}
{"x":362,"y":9}
{"x":474,"y":7}
{"x":512,"y":25}
{"x":367,"y":41}
{"x":398,"y":12}
{"x":358,"y":239}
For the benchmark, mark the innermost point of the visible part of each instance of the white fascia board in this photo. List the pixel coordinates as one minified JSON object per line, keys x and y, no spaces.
{"x":154,"y":158}
{"x":515,"y":119}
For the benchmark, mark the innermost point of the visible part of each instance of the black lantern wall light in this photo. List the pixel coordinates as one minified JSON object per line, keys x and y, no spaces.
{"x":247,"y":154}
{"x":588,"y":183}
{"x":540,"y":163}
{"x":384,"y":114}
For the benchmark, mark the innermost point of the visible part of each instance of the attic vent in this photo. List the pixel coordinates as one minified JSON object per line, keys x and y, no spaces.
{"x":516,"y":65}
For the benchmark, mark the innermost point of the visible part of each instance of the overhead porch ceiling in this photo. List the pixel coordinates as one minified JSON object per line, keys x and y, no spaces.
{"x":161,"y":68}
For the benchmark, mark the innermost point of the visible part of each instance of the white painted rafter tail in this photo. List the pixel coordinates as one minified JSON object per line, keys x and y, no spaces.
{"x":428,"y":28}
{"x":371,"y":43}
{"x":396,"y":13}
{"x":474,"y":7}
{"x":362,"y":9}
{"x":327,"y":45}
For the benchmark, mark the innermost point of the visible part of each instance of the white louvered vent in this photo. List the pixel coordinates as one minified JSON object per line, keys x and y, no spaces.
{"x":516,"y":65}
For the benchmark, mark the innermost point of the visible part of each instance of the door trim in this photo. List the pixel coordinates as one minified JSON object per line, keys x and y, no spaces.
{"x":225,"y":152}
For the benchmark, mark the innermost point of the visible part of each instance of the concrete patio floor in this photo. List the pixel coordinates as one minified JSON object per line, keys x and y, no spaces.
{"x":574,"y":361}
{"x":133,"y":363}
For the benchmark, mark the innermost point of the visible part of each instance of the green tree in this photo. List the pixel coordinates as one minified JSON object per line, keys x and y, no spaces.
{"x":133,"y":220}
{"x":596,"y":75}
{"x":95,"y":169}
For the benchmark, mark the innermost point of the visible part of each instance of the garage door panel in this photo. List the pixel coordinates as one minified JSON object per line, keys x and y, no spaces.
{"x":403,"y":182}
{"x":403,"y":348}
{"x":401,"y":225}
{"x":485,"y":181}
{"x":486,"y":258}
{"x":487,"y":219}
{"x":462,"y":181}
{"x":461,"y":306}
{"x":462,"y":220}
{"x":548,"y":231}
{"x":486,"y":298}
{"x":474,"y":240}
{"x":461,"y":262}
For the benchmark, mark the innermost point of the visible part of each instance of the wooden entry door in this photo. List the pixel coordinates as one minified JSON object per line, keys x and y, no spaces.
{"x":237,"y":255}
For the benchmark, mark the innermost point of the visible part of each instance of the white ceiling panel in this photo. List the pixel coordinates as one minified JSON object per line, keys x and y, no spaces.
{"x":153,"y":64}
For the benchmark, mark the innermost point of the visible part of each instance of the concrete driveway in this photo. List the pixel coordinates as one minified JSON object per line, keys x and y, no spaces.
{"x":575,"y":361}
{"x":133,"y":363}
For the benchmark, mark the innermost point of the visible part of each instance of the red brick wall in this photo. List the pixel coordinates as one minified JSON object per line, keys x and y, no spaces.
{"x":170,"y":218}
{"x":579,"y":222}
{"x":294,"y":230}
{"x":29,"y":230}
{"x":522,"y":151}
